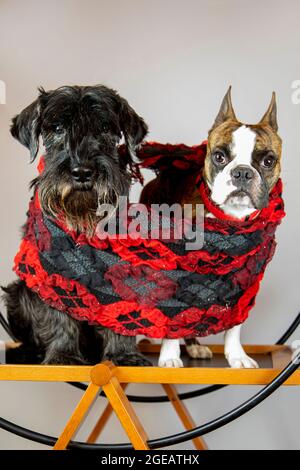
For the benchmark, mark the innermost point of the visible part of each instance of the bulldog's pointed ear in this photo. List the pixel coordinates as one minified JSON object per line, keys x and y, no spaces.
{"x":226,"y":112}
{"x":270,"y":116}
{"x":26,"y":126}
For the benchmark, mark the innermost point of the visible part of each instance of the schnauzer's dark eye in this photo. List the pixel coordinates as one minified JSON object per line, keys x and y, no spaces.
{"x":58,"y":128}
{"x":219,"y":158}
{"x":105,"y":128}
{"x":268,"y":161}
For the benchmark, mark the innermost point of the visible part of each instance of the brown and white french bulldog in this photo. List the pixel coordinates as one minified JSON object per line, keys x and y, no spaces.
{"x":242,"y":166}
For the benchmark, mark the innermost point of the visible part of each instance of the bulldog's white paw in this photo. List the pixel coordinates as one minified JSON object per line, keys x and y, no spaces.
{"x":171,"y":362}
{"x":170,"y":354}
{"x":241,"y":361}
{"x":198,"y":351}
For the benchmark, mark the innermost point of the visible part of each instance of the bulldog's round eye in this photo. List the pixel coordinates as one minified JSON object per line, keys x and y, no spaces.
{"x":268,"y":161}
{"x":219,"y":158}
{"x":105,"y":128}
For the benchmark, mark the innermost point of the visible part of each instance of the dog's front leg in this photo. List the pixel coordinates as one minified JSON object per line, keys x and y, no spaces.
{"x":196,"y":350}
{"x":121,"y":350}
{"x":59,"y":335}
{"x":234,"y":352}
{"x":170,"y":353}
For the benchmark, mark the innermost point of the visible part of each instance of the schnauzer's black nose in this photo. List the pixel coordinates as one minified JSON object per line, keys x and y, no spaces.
{"x":242,"y":174}
{"x":82,"y":174}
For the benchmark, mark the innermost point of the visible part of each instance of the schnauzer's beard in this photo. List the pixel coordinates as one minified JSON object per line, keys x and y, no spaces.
{"x":80,"y":208}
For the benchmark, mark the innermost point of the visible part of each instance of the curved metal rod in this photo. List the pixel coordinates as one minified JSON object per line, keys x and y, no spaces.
{"x":176,"y":438}
{"x":231,"y":415}
{"x":182,"y":396}
{"x":158,"y":398}
{"x":293,"y":326}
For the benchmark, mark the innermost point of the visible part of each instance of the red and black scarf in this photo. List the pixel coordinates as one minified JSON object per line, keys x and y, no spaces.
{"x":149,"y":286}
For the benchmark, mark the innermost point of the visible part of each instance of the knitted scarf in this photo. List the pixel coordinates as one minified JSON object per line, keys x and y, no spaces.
{"x":149,"y":286}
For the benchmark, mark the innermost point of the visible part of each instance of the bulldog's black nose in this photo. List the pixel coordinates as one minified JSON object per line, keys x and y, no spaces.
{"x":82,"y":174}
{"x":242,"y":174}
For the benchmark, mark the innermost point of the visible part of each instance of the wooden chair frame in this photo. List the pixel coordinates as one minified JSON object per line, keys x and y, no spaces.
{"x":113,"y":381}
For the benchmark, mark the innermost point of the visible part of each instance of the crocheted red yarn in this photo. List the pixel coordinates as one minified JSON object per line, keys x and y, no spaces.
{"x":149,"y":286}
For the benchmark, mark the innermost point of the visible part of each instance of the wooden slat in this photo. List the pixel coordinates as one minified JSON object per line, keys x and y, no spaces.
{"x":44,"y":373}
{"x":77,"y":416}
{"x":281,"y":357}
{"x":102,"y":421}
{"x":186,"y":375}
{"x":149,"y":348}
{"x":126,"y":414}
{"x":201,"y":375}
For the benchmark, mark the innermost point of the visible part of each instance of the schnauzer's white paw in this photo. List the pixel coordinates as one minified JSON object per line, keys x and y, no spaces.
{"x":171,"y":362}
{"x":241,"y":361}
{"x":198,"y":351}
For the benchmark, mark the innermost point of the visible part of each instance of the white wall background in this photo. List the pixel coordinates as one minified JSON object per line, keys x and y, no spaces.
{"x":173,"y":60}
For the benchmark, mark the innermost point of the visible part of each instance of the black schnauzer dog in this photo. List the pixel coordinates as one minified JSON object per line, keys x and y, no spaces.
{"x":81,"y":128}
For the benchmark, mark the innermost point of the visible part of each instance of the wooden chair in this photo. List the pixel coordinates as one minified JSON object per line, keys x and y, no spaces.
{"x":113,"y":381}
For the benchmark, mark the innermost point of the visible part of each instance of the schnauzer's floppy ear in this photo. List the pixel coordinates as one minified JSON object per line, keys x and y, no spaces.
{"x":26,"y":126}
{"x":270,"y":116}
{"x":226,"y":112}
{"x":133,"y":127}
